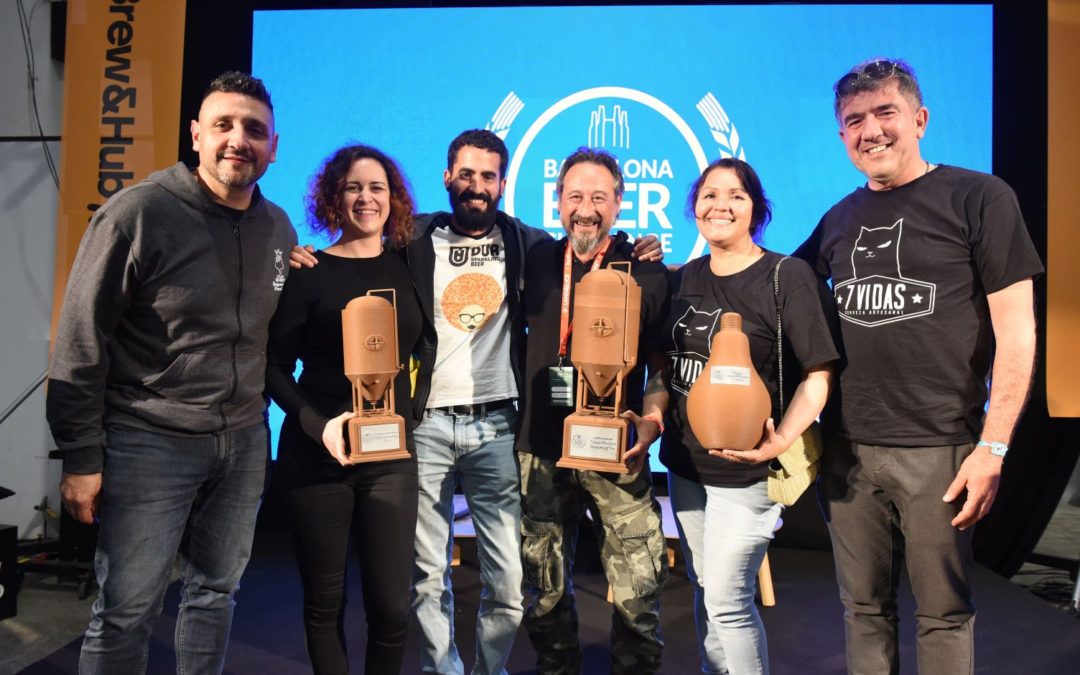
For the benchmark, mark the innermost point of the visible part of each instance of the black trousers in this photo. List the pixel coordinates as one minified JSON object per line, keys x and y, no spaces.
{"x":884,"y":510}
{"x":376,"y":503}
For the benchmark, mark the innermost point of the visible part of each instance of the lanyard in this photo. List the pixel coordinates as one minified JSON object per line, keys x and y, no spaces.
{"x":564,"y":320}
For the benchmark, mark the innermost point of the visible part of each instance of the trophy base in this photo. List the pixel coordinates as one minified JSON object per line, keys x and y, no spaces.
{"x":377,"y":438}
{"x":595,"y":443}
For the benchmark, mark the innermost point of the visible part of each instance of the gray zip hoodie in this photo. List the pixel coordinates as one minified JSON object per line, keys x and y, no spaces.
{"x":165,"y":317}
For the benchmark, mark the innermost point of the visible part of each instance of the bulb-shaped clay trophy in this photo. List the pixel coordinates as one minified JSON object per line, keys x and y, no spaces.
{"x":728,"y":403}
{"x":369,"y":332}
{"x":607,"y":318}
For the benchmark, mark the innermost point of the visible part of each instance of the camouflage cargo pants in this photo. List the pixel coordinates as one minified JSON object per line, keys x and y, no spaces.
{"x":631,"y":551}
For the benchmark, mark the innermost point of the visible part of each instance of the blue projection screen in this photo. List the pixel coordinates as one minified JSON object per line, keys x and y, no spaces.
{"x":665,"y":89}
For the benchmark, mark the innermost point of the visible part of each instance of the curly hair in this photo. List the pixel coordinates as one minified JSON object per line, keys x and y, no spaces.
{"x":761,"y":213}
{"x":324,"y":197}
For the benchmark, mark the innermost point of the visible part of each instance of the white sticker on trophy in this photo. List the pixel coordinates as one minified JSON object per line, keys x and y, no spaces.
{"x":729,"y":375}
{"x":379,"y":437}
{"x":588,"y":442}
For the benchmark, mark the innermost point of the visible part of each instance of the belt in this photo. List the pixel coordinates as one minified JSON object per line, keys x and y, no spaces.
{"x":476,"y":409}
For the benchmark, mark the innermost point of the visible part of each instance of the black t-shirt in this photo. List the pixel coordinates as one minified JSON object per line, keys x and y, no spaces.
{"x":542,"y":425}
{"x":307,"y":326}
{"x":698,"y":299}
{"x":234,"y":214}
{"x":911,"y":268}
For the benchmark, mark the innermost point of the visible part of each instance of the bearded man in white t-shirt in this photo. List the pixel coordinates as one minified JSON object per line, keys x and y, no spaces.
{"x":468,"y":268}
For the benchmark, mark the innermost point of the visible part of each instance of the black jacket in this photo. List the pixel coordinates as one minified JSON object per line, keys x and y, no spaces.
{"x":420,"y":254}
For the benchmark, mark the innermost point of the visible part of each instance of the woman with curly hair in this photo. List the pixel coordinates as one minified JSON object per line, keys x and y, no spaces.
{"x":360,"y":199}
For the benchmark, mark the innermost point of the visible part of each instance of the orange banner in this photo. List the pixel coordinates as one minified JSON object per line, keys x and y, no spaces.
{"x":1063,"y":226}
{"x":123,"y":68}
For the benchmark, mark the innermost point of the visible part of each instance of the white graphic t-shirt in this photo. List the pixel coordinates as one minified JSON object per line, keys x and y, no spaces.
{"x":472,"y":364}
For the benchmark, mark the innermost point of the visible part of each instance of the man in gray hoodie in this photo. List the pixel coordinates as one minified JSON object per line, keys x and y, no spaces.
{"x":156,"y":383}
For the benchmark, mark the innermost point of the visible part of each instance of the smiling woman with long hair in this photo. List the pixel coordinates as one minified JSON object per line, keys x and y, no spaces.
{"x":361,"y":200}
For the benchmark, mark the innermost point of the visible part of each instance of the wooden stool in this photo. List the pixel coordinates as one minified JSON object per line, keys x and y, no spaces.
{"x":764,"y":575}
{"x":462,"y":526}
{"x":764,"y":583}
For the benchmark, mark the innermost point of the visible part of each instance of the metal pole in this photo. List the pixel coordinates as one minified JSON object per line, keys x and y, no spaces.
{"x":25,"y":395}
{"x":1076,"y":591}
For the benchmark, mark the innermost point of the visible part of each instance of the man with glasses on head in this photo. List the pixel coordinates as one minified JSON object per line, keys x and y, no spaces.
{"x":932,"y":272}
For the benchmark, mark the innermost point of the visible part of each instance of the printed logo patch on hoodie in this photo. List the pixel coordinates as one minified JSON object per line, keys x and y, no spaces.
{"x":279,"y":265}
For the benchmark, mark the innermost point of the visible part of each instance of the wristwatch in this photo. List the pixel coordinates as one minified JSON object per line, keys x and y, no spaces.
{"x":996,"y":447}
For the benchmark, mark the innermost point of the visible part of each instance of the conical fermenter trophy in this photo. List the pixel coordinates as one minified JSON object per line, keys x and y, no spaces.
{"x":369,"y":332}
{"x":607,"y":318}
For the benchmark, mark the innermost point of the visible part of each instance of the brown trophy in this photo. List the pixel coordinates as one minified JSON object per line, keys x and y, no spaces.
{"x":607,"y":316}
{"x":369,"y":335}
{"x":728,"y":404}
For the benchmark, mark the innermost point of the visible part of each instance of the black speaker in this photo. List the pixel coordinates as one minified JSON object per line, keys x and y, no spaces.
{"x":57,"y":29}
{"x":9,"y":572}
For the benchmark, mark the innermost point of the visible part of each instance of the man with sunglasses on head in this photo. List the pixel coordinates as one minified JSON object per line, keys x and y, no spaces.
{"x":932,"y":272}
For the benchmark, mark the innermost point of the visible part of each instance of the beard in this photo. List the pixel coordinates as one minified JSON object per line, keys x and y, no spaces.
{"x":240,"y":177}
{"x":585,"y":243}
{"x":468,"y":219}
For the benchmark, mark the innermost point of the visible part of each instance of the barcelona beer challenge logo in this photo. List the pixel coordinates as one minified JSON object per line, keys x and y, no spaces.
{"x":658,"y":151}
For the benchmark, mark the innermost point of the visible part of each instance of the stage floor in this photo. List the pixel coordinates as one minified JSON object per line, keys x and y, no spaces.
{"x":1015,"y":631}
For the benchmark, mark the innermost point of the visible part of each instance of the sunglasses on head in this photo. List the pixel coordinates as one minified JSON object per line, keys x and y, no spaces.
{"x":877,"y":70}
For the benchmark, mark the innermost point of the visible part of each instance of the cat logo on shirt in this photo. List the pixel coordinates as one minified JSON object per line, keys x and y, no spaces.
{"x":691,"y":344}
{"x":879,"y":294}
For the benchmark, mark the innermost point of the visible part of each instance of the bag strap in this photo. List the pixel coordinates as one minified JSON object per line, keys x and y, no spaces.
{"x":779,"y":335}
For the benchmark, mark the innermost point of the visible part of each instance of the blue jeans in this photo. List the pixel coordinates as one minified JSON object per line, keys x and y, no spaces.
{"x":161,"y":495}
{"x":725,"y":532}
{"x":479,"y":451}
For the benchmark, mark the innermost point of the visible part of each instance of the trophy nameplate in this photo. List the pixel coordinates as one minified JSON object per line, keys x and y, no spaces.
{"x":376,"y":437}
{"x":607,"y":311}
{"x":595,"y":442}
{"x":369,"y":332}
